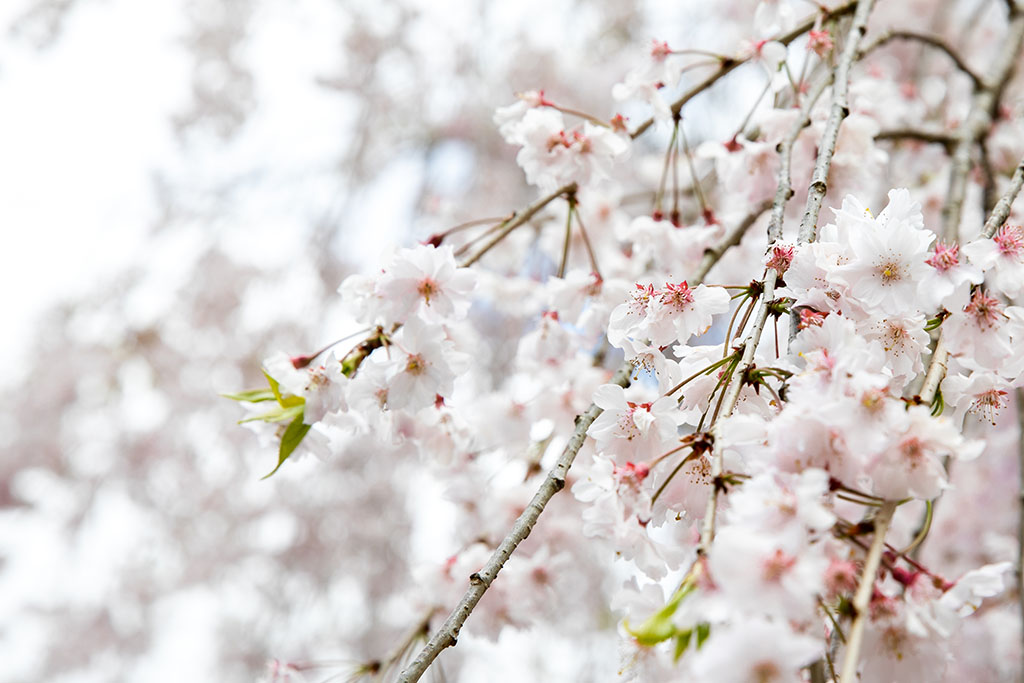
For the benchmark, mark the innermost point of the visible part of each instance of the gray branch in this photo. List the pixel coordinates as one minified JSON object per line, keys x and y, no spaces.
{"x":927,"y":39}
{"x":730,"y":65}
{"x":1001,"y":211}
{"x":840,"y":110}
{"x":979,"y":121}
{"x":479,"y":582}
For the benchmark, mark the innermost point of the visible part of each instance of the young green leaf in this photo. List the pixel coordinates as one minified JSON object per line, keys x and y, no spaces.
{"x":290,"y":440}
{"x":252,"y":396}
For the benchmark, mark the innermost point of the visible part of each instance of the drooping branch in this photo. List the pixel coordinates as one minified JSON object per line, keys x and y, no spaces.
{"x":729,"y":65}
{"x":862,"y":599}
{"x":518,"y":219}
{"x":938,"y":137}
{"x":926,"y":39}
{"x":783,"y":193}
{"x":839,"y":111}
{"x":479,"y":582}
{"x":940,"y":357}
{"x":978,"y":123}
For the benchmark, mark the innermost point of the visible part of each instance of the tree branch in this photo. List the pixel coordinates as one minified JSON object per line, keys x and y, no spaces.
{"x":927,"y":39}
{"x":1001,"y":211}
{"x":862,"y":599}
{"x":730,"y":65}
{"x":978,"y":122}
{"x":783,"y":192}
{"x":840,"y":110}
{"x":939,"y":137}
{"x":518,"y":219}
{"x":480,"y":581}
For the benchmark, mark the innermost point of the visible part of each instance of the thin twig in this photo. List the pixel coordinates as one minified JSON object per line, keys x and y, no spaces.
{"x":712,"y":255}
{"x":782,"y":194}
{"x":730,"y":64}
{"x":862,"y":599}
{"x":479,"y":582}
{"x":926,"y":39}
{"x":568,"y":237}
{"x":589,"y":247}
{"x":520,"y":218}
{"x":938,"y":137}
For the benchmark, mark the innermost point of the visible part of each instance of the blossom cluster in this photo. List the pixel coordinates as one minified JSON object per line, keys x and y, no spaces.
{"x":795,"y":408}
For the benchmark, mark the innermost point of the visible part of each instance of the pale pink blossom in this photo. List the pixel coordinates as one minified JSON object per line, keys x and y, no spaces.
{"x":425,"y":281}
{"x":424,"y":365}
{"x":633,"y":431}
{"x":1001,"y":259}
{"x":888,"y":259}
{"x":983,"y":396}
{"x":681,"y":312}
{"x":754,"y":649}
{"x":979,"y":333}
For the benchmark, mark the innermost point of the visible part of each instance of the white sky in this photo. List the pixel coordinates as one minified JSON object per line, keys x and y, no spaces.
{"x":83,"y":123}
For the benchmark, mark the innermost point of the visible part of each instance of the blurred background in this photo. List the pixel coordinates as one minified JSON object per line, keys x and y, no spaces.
{"x":183,"y":186}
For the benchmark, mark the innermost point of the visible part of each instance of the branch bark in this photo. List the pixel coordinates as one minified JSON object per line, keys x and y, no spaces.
{"x":730,"y":65}
{"x":862,"y":599}
{"x":939,"y":137}
{"x":839,"y":111}
{"x":979,"y":120}
{"x":927,"y":39}
{"x":782,"y":194}
{"x":479,"y":582}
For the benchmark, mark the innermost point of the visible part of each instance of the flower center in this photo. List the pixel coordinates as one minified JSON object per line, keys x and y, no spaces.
{"x":416,"y":365}
{"x":427,"y":289}
{"x":776,"y":566}
{"x":985,"y":310}
{"x":945,"y":257}
{"x":766,"y":672}
{"x":678,"y":296}
{"x":989,"y":403}
{"x":890,"y":271}
{"x":1010,"y":240}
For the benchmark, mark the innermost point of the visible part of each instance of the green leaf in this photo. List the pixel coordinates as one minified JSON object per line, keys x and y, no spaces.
{"x":292,"y":401}
{"x":288,"y":401}
{"x":703,"y":631}
{"x":938,"y":404}
{"x":278,"y":414}
{"x":274,"y":387}
{"x":659,"y":626}
{"x":682,"y":642}
{"x":253,"y":396}
{"x":290,"y":440}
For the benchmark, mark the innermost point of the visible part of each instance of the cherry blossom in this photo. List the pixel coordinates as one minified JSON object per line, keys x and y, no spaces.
{"x":425,"y":281}
{"x":633,"y":431}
